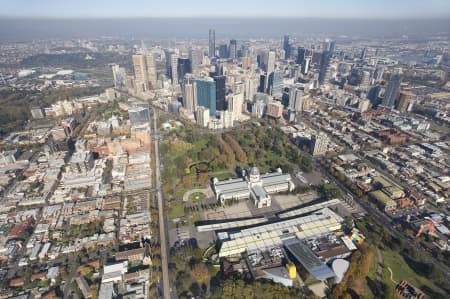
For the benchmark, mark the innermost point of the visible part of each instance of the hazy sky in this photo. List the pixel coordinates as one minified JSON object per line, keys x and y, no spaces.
{"x":196,"y":8}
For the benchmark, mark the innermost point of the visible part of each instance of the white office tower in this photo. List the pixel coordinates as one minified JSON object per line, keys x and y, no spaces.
{"x":196,"y":58}
{"x":365,"y":79}
{"x":259,"y":108}
{"x":319,"y":144}
{"x":250,"y":88}
{"x":189,"y":93}
{"x":140,"y":73}
{"x":151,"y":70}
{"x":296,"y":99}
{"x":174,"y":68}
{"x":144,"y":72}
{"x":120,"y":77}
{"x":270,"y":64}
{"x":235,"y":104}
{"x":227,"y":119}
{"x":305,"y":65}
{"x":202,"y":115}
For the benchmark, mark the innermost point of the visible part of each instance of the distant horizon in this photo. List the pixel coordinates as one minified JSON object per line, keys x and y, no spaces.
{"x":26,"y":29}
{"x":395,"y":18}
{"x":379,"y":9}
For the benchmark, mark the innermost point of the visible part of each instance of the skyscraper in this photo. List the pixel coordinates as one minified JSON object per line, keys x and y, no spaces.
{"x":223,"y":51}
{"x":196,"y":57}
{"x":221,"y":104}
{"x":305,"y":65}
{"x":144,"y":72}
{"x":365,"y":78}
{"x":140,"y":73}
{"x":206,"y":94}
{"x":212,"y":43}
{"x":270,"y":63}
{"x":120,"y":77}
{"x":332,"y":46}
{"x":183,"y":68}
{"x":286,"y":47}
{"x":406,"y":102}
{"x":363,"y":54}
{"x":262,"y":83}
{"x":202,"y":115}
{"x":232,"y":53}
{"x":151,"y":70}
{"x":301,"y":51}
{"x":174,"y":67}
{"x":378,"y":74}
{"x":189,"y":93}
{"x":235,"y":103}
{"x":276,"y":84}
{"x":329,"y":45}
{"x":392,"y":90}
{"x":296,"y":99}
{"x":324,"y":73}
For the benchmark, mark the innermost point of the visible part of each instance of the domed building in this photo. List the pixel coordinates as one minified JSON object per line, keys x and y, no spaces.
{"x":254,"y":175}
{"x":254,"y":186}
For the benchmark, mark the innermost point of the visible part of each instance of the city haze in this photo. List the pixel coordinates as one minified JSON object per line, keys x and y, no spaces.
{"x":25,"y":29}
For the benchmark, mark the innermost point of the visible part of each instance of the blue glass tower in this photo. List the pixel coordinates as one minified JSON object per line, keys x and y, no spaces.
{"x":206,"y":94}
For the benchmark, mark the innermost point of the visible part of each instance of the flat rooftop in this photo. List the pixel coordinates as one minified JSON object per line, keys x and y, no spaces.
{"x":305,"y":256}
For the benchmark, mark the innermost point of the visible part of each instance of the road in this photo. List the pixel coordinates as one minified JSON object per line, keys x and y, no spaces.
{"x":162,"y":223}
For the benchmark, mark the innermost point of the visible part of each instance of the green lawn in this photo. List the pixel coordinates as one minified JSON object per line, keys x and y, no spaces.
{"x":180,"y":192}
{"x":374,"y":266}
{"x":176,"y":210}
{"x":195,"y":218}
{"x":401,"y":270}
{"x":197,"y":197}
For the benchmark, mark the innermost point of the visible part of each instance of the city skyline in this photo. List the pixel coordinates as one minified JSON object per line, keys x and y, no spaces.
{"x":191,"y":149}
{"x":286,"y":8}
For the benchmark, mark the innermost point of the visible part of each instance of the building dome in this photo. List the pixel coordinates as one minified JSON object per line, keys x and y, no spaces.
{"x":254,"y":175}
{"x":254,"y":171}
